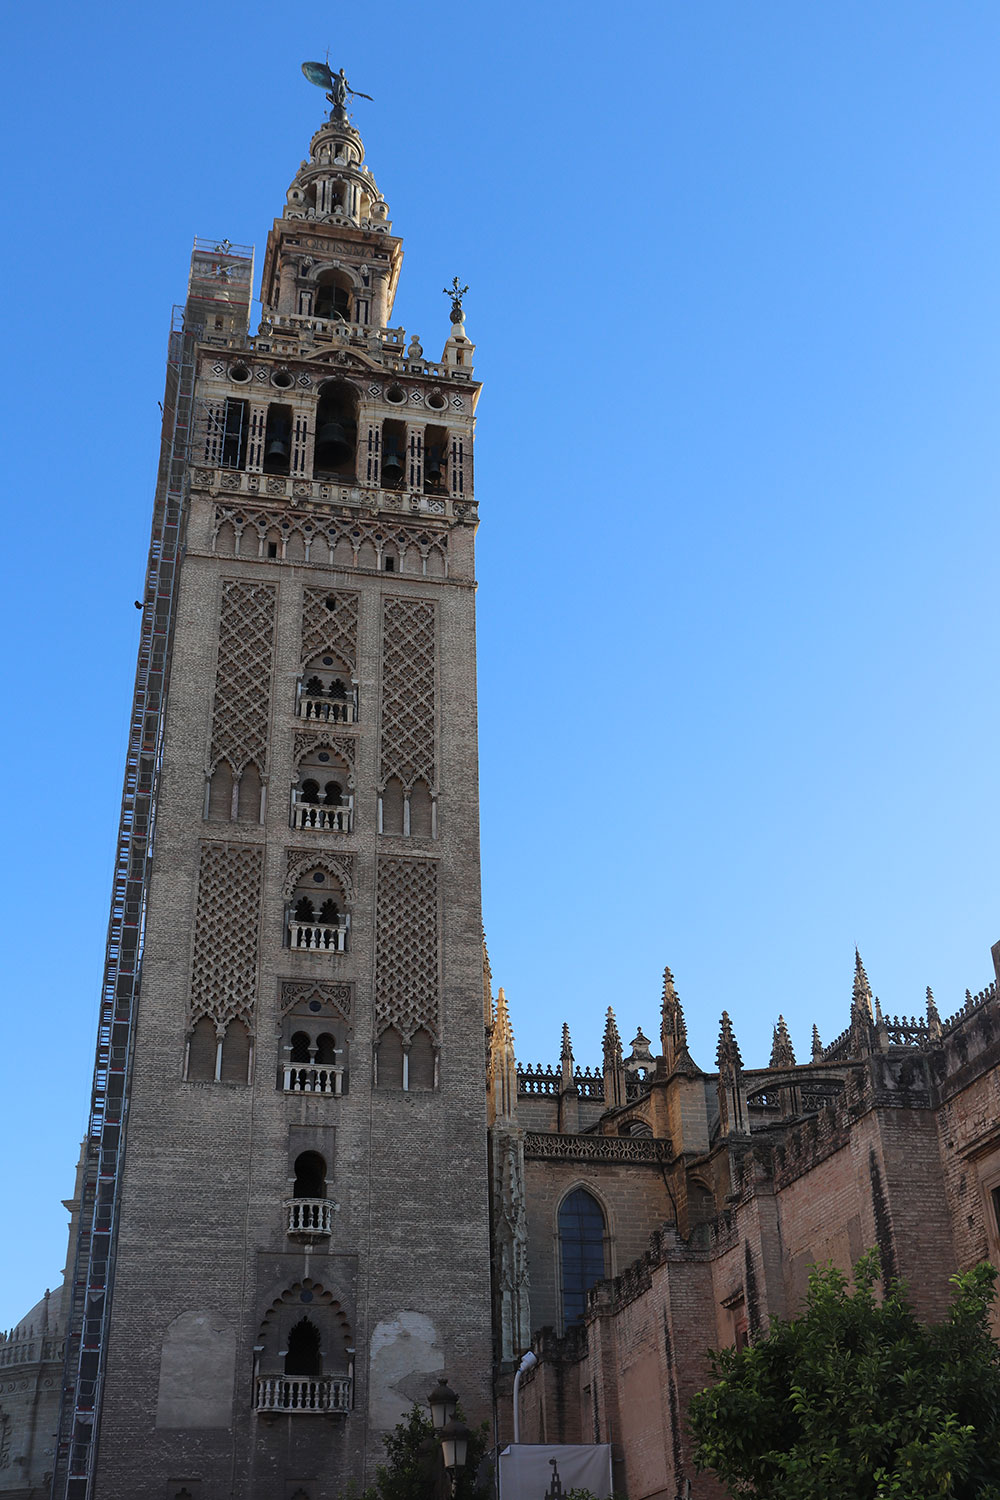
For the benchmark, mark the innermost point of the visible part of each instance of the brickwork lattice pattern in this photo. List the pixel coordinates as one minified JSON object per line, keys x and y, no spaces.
{"x":242,"y":706}
{"x":406,"y":947}
{"x":224,"y":970}
{"x":330,"y":630}
{"x":407,"y":741}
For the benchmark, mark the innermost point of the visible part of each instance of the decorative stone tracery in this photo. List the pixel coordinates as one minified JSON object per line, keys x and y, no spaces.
{"x":331,"y":630}
{"x":224,"y":966}
{"x":407,"y":931}
{"x":242,"y":706}
{"x":408,"y":683}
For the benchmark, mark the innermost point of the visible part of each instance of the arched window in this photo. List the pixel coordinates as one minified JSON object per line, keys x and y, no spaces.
{"x":389,"y":1060}
{"x":581,"y":1251}
{"x":303,"y":1357}
{"x":236,"y":1054}
{"x":203,"y":1051}
{"x":326,"y":692}
{"x":326,"y":1049}
{"x":300,"y":1047}
{"x":334,"y":296}
{"x":316,"y":915}
{"x":310,"y":1176}
{"x":420,"y":1069}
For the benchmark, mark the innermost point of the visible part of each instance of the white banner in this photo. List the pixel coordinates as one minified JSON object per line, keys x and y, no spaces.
{"x":547,"y":1471}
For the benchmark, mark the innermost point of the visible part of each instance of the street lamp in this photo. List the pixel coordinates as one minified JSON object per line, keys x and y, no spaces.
{"x":452,"y":1435}
{"x":442,"y":1402}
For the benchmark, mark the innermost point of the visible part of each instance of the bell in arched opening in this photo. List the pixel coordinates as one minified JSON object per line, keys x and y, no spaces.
{"x":336,"y":429}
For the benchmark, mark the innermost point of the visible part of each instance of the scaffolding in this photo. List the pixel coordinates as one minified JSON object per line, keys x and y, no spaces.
{"x":221,"y":277}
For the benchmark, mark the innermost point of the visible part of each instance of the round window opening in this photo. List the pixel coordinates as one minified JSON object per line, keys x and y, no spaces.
{"x":331,"y":602}
{"x":395,"y":394}
{"x":323,"y":756}
{"x":283,"y":380}
{"x":319,"y":879}
{"x":239,"y":373}
{"x":436,"y":400}
{"x":328,"y":661}
{"x":315,"y":1005}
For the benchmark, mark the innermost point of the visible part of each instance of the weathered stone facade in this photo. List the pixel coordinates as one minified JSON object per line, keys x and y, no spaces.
{"x":301,"y":1220}
{"x":888,"y":1137}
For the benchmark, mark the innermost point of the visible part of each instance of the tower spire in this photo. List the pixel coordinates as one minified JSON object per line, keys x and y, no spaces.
{"x":673,"y":1029}
{"x":782,"y":1051}
{"x":614,"y":1065}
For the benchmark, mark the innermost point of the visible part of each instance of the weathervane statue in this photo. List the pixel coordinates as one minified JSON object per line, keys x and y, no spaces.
{"x":320,"y":74}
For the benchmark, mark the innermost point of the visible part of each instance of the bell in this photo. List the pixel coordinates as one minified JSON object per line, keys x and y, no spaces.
{"x":392,"y":469}
{"x":434,"y":469}
{"x":276,"y":450}
{"x":333,"y":444}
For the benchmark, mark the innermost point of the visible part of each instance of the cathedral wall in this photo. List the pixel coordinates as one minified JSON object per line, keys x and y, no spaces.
{"x":634,"y":1199}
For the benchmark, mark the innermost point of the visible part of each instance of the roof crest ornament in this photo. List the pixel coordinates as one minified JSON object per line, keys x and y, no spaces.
{"x":321,"y":75}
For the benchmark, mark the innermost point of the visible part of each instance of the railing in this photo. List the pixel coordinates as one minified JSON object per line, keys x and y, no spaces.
{"x":327,"y":1393}
{"x":313,"y":1078}
{"x":328,"y":710}
{"x":319,"y":937}
{"x":309,"y":1216}
{"x":331,"y":819}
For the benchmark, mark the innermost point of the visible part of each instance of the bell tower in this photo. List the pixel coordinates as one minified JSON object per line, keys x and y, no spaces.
{"x":285,"y":1236}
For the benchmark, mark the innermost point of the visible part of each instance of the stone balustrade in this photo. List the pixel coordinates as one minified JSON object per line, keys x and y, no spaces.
{"x":299,"y":1393}
{"x":327,"y":710}
{"x":313,"y":1078}
{"x":336,"y":819}
{"x":318,"y":937}
{"x":309,"y":1216}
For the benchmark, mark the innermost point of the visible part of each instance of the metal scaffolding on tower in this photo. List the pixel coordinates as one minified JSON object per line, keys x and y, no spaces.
{"x":220,"y":284}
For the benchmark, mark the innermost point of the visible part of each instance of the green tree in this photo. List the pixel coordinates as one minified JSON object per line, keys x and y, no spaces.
{"x":413,"y":1468}
{"x":858,"y":1400}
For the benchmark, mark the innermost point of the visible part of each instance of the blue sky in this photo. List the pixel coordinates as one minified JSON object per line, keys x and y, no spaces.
{"x":734,"y":288}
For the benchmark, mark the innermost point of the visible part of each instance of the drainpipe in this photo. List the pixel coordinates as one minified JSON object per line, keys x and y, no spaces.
{"x":528,"y":1362}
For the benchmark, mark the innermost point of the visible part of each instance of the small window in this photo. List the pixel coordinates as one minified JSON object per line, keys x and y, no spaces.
{"x":272,"y":549}
{"x":390,"y":564}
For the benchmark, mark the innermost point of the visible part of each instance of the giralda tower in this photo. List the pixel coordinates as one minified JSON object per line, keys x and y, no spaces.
{"x":284,"y":1224}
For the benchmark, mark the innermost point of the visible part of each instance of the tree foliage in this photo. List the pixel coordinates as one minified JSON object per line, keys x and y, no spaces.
{"x":858,"y":1400}
{"x":413,"y":1469}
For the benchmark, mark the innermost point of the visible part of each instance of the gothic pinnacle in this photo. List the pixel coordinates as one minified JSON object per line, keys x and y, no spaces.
{"x":862,"y":998}
{"x":782,"y":1052}
{"x":817,"y":1045}
{"x":728,"y":1051}
{"x":671,"y":1009}
{"x":503,"y":1031}
{"x":933,"y":1018}
{"x":567,"y":1046}
{"x":612,"y":1041}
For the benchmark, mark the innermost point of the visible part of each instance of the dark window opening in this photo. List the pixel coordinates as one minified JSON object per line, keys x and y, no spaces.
{"x":435,"y":459}
{"x":390,"y":564}
{"x":272,"y":549}
{"x":581,"y":1247}
{"x":393,"y":454}
{"x":326,"y":1049}
{"x":234,"y":426}
{"x":333,"y":301}
{"x":310,"y":1176}
{"x":300,"y":1047}
{"x":303,"y":1357}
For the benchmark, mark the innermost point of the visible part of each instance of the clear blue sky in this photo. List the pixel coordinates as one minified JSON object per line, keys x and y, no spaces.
{"x":734,"y":286}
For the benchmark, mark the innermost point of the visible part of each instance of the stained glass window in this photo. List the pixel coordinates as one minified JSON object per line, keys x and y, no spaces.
{"x":581,"y":1245}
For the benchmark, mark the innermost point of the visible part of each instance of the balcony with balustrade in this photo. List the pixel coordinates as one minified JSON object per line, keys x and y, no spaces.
{"x":312,"y":1078}
{"x":336,"y":703}
{"x":308,"y":811}
{"x":321,"y":1395}
{"x":314,"y":935}
{"x":308,"y":1218}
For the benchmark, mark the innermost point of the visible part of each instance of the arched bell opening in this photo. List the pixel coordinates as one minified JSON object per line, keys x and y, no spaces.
{"x":435,"y":460}
{"x":393,"y":454}
{"x":334,"y":296}
{"x":304,"y":1357}
{"x":278,"y":439}
{"x":336,"y":431}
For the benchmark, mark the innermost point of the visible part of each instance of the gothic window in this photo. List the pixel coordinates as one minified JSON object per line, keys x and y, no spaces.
{"x":228,"y":798}
{"x":421,"y":825}
{"x":220,"y":793}
{"x":300,"y":1048}
{"x":581,"y":1251}
{"x":314,"y":1059}
{"x":248,"y":797}
{"x":336,"y":431}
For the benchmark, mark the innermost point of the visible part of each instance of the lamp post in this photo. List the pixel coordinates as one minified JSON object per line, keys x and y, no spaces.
{"x":452,"y":1435}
